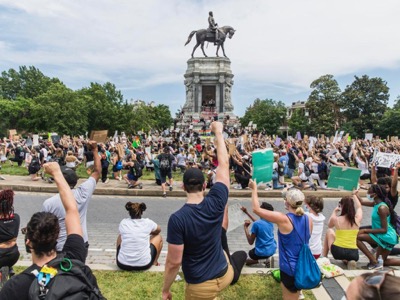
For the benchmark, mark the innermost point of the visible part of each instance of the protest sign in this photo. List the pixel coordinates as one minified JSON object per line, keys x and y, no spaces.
{"x":262,"y":165}
{"x":340,"y":136}
{"x":298,"y":135}
{"x":236,"y":216}
{"x":232,"y":149}
{"x":35,"y":141}
{"x":115,"y":137}
{"x":335,"y":138}
{"x":99,"y":136}
{"x":55,"y":139}
{"x":394,"y":139}
{"x":11,"y":133}
{"x":368,"y":136}
{"x":277,"y":141}
{"x":343,"y":178}
{"x":386,"y":160}
{"x":29,"y":142}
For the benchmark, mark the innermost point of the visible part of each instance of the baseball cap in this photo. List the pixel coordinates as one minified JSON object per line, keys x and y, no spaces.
{"x":70,"y":176}
{"x":193,"y":176}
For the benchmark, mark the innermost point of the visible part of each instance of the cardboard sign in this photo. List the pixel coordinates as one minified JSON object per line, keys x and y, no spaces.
{"x":11,"y":133}
{"x":55,"y":139}
{"x":343,"y":178}
{"x":262,"y":165}
{"x":232,"y":149}
{"x":99,"y":136}
{"x":386,"y":160}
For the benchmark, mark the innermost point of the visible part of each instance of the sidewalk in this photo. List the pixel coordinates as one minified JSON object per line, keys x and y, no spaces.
{"x":150,"y":189}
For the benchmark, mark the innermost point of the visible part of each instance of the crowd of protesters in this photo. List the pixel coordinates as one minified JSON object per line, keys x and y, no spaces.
{"x":299,"y":164}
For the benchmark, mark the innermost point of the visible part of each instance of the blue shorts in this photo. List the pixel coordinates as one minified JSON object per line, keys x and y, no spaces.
{"x":132,"y":177}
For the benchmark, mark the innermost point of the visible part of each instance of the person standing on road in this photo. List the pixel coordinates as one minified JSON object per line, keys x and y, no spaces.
{"x":194,"y":232}
{"x":82,"y":194}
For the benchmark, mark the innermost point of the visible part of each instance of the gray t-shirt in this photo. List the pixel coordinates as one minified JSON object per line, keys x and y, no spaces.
{"x":82,"y":195}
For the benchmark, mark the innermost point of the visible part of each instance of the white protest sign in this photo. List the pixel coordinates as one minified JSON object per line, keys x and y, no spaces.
{"x":368,"y":136}
{"x":236,"y":216}
{"x":335,"y":138}
{"x":386,"y":160}
{"x":35,"y":140}
{"x":340,"y":136}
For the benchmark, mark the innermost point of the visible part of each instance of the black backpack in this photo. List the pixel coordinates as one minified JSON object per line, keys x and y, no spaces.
{"x":165,"y":165}
{"x":138,"y":169}
{"x":34,"y":166}
{"x":71,"y":282}
{"x":307,"y":170}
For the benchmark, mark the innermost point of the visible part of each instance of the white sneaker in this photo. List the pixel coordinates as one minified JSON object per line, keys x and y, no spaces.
{"x":107,"y":181}
{"x":268,"y":188}
{"x":301,"y":296}
{"x":238,"y":187}
{"x":2,"y":178}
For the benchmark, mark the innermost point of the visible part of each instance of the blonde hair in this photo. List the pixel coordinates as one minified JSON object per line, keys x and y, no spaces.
{"x":295,"y":200}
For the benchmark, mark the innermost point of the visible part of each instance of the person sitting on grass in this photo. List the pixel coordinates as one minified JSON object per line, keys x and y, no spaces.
{"x":262,"y":232}
{"x":139,"y":242}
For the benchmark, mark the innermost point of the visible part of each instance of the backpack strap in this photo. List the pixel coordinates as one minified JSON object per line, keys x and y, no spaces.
{"x":305,"y":231}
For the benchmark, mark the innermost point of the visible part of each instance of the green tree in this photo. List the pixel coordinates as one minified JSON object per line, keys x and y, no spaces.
{"x":60,"y":109}
{"x":15,"y":114}
{"x":28,"y":82}
{"x":389,"y":124}
{"x":162,"y":117}
{"x":105,"y":106}
{"x":267,"y":114}
{"x":298,"y":121}
{"x":323,"y":105}
{"x":364,"y":102}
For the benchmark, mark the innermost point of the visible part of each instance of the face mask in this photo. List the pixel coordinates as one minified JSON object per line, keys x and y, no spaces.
{"x":370,"y":198}
{"x":306,"y":209}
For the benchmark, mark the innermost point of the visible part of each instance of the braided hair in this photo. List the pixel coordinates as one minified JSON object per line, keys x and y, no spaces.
{"x":7,"y":204}
{"x":135,"y":209}
{"x":381,"y":193}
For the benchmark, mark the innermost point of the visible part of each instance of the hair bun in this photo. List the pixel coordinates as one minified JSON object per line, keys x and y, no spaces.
{"x":128,"y":206}
{"x":142,"y":207}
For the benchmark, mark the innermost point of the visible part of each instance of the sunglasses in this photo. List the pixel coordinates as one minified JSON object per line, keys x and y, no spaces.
{"x":376,"y":280}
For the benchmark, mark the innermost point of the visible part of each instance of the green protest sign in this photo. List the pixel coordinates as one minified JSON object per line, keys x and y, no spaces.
{"x":343,"y":178}
{"x":262,"y":165}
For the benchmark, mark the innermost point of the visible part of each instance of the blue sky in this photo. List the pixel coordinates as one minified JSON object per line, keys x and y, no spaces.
{"x":279,"y":47}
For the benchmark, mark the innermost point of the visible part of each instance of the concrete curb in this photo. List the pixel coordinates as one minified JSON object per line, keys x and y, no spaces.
{"x":23,"y":184}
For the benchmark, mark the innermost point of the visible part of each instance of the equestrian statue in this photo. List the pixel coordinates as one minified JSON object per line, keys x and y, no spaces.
{"x":213,"y":34}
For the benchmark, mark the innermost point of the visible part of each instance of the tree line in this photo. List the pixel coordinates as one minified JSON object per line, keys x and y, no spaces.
{"x":361,"y":108}
{"x":32,"y":102}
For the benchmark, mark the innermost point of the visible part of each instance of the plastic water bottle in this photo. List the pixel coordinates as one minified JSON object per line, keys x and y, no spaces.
{"x":380,"y":260}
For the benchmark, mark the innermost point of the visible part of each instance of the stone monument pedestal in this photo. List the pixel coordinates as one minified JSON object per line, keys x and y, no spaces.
{"x":208,"y":82}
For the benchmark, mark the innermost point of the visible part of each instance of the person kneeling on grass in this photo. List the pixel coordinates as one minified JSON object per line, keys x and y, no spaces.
{"x":262,"y":232}
{"x":139,"y":242}
{"x":135,"y":172}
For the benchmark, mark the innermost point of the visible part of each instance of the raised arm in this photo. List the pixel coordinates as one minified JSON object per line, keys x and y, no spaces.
{"x":358,"y":207}
{"x":97,"y":163}
{"x":72,"y":219}
{"x":374,"y":178}
{"x":395,"y":178}
{"x":222,"y":174}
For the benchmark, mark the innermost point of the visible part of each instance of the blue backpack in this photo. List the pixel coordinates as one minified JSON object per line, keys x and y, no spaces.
{"x":307,"y":274}
{"x":119,"y":165}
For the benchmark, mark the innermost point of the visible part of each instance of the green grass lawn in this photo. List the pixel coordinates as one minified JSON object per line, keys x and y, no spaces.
{"x":121,"y":285}
{"x":7,"y":169}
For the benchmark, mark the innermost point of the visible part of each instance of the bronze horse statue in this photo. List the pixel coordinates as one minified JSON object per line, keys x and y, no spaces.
{"x":203,"y":35}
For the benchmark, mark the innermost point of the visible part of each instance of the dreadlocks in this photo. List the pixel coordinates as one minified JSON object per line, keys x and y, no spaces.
{"x":6,"y":204}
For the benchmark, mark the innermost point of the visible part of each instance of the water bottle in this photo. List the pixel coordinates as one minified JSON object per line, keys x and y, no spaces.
{"x":380,"y":260}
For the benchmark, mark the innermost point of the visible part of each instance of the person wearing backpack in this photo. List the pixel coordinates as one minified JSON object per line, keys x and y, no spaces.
{"x":135,"y":172}
{"x":166,"y":159}
{"x":117,"y":166}
{"x":34,"y":165}
{"x":40,"y":239}
{"x":294,"y":231}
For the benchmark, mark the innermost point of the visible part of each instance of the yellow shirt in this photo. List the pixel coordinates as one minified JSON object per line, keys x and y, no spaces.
{"x":346,"y":238}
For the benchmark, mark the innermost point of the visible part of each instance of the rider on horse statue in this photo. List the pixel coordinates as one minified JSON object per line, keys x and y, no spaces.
{"x":213,"y":27}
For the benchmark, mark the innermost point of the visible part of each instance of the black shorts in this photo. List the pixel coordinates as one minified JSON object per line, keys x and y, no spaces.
{"x":9,"y":256}
{"x":253,"y":255}
{"x":288,"y":282}
{"x":344,"y":253}
{"x":165,"y":175}
{"x":153,"y":253}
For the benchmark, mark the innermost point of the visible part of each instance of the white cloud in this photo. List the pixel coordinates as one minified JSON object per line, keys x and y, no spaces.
{"x":278,"y":45}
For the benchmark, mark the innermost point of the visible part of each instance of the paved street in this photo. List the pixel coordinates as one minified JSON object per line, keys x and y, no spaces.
{"x":105,"y":213}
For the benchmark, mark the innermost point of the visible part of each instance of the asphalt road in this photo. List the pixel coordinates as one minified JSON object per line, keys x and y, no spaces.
{"x":105,"y":213}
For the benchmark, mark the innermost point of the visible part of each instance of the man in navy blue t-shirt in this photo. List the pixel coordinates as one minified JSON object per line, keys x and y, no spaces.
{"x":194,"y":232}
